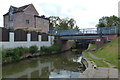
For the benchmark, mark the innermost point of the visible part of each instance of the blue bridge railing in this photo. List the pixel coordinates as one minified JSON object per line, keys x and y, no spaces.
{"x":100,"y":30}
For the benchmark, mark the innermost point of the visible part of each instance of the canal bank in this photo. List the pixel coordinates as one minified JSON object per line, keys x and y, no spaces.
{"x":103,"y":69}
{"x":64,"y":65}
{"x":92,"y":71}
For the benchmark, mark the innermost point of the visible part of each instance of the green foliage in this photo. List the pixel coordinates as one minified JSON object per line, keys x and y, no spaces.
{"x":11,"y":55}
{"x":109,"y":52}
{"x":20,"y":50}
{"x":92,"y":46}
{"x":44,"y":49}
{"x":54,"y":48}
{"x":33,"y":49}
{"x":99,"y":63}
{"x":57,"y":23}
{"x":108,"y":21}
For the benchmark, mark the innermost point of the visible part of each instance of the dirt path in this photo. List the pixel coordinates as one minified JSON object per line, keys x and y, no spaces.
{"x":97,"y":58}
{"x":100,"y":72}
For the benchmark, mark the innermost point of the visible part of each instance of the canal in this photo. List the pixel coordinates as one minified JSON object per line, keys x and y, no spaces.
{"x":63,"y":65}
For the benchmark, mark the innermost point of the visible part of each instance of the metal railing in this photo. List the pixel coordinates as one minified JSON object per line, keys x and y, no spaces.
{"x":100,"y":30}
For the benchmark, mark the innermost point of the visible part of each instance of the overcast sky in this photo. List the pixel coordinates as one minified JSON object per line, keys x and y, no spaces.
{"x":86,"y":13}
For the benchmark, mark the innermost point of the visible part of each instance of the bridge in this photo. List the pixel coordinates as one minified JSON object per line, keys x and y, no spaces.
{"x":99,"y":35}
{"x":87,"y":33}
{"x":99,"y":30}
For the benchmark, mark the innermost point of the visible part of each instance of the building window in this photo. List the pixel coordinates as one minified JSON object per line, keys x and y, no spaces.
{"x":27,"y":21}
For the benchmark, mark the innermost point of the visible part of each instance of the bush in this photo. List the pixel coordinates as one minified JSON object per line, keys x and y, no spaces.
{"x":33,"y":49}
{"x":9,"y":55}
{"x":16,"y":57}
{"x":55,"y":48}
{"x":44,"y":49}
{"x":20,"y":50}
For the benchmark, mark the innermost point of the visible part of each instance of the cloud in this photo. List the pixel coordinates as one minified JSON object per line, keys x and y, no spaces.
{"x":85,"y":12}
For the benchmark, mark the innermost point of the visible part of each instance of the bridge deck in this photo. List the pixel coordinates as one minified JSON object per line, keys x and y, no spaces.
{"x":79,"y":37}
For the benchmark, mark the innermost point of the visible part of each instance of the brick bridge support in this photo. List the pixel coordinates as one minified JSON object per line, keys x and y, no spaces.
{"x":100,"y":42}
{"x":66,"y":44}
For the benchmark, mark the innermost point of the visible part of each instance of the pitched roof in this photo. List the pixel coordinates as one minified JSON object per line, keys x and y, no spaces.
{"x":18,"y":9}
{"x":43,"y":17}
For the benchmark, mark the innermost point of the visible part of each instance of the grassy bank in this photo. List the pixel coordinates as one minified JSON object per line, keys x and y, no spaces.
{"x":91,"y":46}
{"x":16,"y":54}
{"x":109,"y":52}
{"x":99,"y":63}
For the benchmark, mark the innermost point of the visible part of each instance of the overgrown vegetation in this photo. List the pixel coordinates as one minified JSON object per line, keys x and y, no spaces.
{"x":12,"y":55}
{"x":33,"y":49}
{"x":54,"y":48}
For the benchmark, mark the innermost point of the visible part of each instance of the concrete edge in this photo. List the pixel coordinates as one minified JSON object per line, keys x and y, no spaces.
{"x":89,"y":71}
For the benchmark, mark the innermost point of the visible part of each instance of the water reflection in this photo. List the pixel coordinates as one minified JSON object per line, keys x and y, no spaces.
{"x":64,"y":74}
{"x":65,"y":65}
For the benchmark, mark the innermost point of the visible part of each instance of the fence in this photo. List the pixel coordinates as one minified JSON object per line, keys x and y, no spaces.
{"x":99,"y":30}
{"x":21,"y":38}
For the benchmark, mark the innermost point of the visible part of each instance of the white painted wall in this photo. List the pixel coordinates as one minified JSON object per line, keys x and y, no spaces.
{"x":28,"y":43}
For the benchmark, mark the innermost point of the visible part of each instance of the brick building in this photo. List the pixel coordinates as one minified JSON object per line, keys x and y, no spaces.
{"x":25,"y":17}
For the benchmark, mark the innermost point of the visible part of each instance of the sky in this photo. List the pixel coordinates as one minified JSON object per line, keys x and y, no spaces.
{"x":86,"y":13}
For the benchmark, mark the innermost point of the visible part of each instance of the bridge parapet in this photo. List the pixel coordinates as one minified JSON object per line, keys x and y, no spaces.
{"x":99,"y":30}
{"x":107,"y":30}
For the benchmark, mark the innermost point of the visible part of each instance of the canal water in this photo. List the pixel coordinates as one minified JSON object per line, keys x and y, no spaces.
{"x":64,"y":65}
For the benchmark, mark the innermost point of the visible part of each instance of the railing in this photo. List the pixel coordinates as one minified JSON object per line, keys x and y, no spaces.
{"x":100,"y":30}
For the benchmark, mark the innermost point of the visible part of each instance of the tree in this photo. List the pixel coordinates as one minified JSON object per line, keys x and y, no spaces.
{"x":54,"y":22}
{"x":61,"y":24}
{"x":109,"y":21}
{"x":76,"y":27}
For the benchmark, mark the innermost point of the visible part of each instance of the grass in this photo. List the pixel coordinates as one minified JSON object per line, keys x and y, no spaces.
{"x":98,"y":62}
{"x":92,"y":46}
{"x":109,"y":52}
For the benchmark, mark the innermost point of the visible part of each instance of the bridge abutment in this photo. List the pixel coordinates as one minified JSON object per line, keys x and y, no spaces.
{"x":100,"y":42}
{"x":65,"y":44}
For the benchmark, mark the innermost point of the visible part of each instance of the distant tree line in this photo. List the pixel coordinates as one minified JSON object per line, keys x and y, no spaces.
{"x":106,"y":21}
{"x":56,"y":23}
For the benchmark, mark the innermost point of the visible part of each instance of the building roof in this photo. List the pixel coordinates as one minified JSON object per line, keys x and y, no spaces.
{"x":18,"y":9}
{"x":21,"y":9}
{"x":43,"y":17}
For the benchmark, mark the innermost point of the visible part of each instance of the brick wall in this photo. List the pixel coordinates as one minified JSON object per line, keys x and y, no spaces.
{"x":43,"y":24}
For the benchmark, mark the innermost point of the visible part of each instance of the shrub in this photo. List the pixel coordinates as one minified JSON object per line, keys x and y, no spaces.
{"x":16,"y":57}
{"x":9,"y":55}
{"x":55,"y":48}
{"x":44,"y":49}
{"x":33,"y":49}
{"x":20,"y":50}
